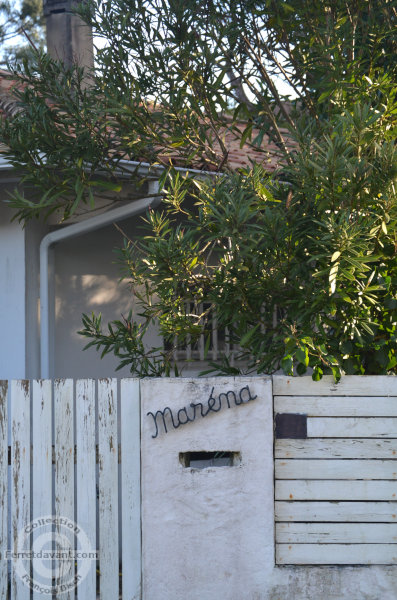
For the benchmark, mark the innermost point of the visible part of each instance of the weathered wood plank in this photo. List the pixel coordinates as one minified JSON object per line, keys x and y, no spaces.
{"x":86,"y":481}
{"x":108,"y":489}
{"x":355,"y":512}
{"x":336,"y":554}
{"x":338,"y":406}
{"x":42,"y":469}
{"x":299,"y":489}
{"x":352,"y":427}
{"x":335,"y":469}
{"x":3,"y":486}
{"x":336,"y":533}
{"x":64,"y":477}
{"x":349,"y":385}
{"x":20,"y":480}
{"x":336,"y":448}
{"x":130,"y":489}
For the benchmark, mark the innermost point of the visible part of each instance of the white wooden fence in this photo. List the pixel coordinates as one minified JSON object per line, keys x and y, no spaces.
{"x":336,"y":488}
{"x":74,"y":456}
{"x":70,"y":453}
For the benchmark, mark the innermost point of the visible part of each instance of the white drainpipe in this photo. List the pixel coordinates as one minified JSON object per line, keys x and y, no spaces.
{"x":112,"y":216}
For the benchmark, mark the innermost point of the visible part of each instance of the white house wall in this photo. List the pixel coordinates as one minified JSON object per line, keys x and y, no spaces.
{"x":12,"y":296}
{"x":86,"y":280}
{"x":34,"y":232}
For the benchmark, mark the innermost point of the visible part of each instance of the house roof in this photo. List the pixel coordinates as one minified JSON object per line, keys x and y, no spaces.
{"x":238,"y":156}
{"x":8,"y":105}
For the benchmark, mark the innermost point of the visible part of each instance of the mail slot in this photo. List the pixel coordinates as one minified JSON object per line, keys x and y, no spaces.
{"x":204,"y":460}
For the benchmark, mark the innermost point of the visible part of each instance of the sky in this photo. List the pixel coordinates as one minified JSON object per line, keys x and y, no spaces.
{"x":282,"y":86}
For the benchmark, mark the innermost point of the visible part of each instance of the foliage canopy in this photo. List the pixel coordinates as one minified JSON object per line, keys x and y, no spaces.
{"x":24,"y":22}
{"x":313,"y":244}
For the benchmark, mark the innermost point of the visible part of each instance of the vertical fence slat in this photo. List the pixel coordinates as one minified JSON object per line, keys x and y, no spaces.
{"x":108,"y":489}
{"x":85,"y":478}
{"x":201,"y":339}
{"x":3,"y":486}
{"x":130,"y":489}
{"x":64,"y":471}
{"x":214,"y":337}
{"x":42,"y":465}
{"x":65,"y":485}
{"x":20,"y":478}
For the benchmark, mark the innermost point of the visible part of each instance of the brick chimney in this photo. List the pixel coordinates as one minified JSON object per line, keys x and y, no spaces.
{"x":68,"y":38}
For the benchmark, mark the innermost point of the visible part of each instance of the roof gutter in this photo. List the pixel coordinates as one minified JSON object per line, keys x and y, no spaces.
{"x":97,"y":222}
{"x":129,"y":167}
{"x":143,"y":168}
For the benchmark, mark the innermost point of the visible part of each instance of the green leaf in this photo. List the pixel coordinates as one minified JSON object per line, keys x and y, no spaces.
{"x":301,"y":369}
{"x":107,"y":185}
{"x":248,"y":336}
{"x":287,"y":364}
{"x":325,"y":95}
{"x":302,"y":355}
{"x":336,"y":373}
{"x":246,"y":134}
{"x":317,"y":374}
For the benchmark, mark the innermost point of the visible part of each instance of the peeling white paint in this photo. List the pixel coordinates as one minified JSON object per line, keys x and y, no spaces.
{"x":207,"y":532}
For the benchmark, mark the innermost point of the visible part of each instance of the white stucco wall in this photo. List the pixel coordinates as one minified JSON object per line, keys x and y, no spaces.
{"x":12,"y":296}
{"x":87,"y":279}
{"x":34,"y":232}
{"x":208,"y":534}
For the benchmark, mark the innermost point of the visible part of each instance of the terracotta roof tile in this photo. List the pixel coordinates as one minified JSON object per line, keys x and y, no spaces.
{"x":237,"y":156}
{"x":8,"y":105}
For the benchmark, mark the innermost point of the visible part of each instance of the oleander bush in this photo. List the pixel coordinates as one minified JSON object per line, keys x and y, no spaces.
{"x":298,"y":264}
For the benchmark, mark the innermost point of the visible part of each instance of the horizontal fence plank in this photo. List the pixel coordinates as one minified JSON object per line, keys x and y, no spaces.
{"x":355,"y":512}
{"x":338,"y":406}
{"x":335,"y":469}
{"x":336,"y":554}
{"x":349,"y":385}
{"x":335,"y":490}
{"x":352,"y":427}
{"x":336,"y":533}
{"x":336,"y":448}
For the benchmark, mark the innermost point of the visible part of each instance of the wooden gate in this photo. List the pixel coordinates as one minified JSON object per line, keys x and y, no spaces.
{"x":70,"y":474}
